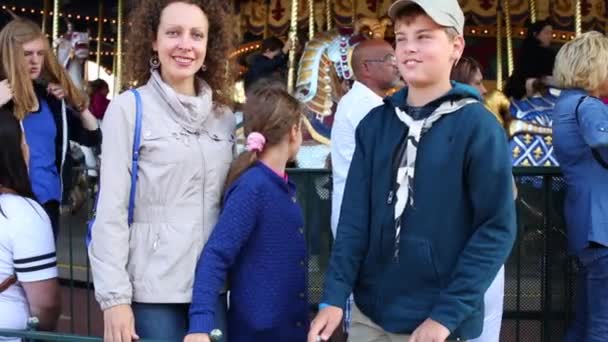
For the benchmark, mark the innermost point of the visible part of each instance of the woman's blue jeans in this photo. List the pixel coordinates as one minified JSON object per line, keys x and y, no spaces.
{"x":591,"y":307}
{"x":169,"y":322}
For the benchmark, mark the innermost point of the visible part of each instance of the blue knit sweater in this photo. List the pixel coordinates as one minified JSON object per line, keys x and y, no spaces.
{"x":259,"y":244}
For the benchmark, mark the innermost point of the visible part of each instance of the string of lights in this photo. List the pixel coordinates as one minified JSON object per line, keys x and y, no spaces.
{"x":18,"y":10}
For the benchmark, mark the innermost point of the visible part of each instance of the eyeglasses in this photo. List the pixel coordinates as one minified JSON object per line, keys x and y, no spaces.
{"x":388,"y":58}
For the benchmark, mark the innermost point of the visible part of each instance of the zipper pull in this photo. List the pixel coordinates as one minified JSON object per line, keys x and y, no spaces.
{"x":391,"y":195}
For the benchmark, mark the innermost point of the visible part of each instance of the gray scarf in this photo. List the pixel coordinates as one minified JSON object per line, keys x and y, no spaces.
{"x":190,"y":112}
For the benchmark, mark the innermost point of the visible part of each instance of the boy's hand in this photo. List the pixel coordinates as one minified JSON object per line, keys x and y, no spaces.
{"x":430,"y":331}
{"x":324,"y":325}
{"x":197,"y":338}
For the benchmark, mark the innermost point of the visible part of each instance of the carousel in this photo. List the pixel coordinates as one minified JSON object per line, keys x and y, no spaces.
{"x":88,"y":37}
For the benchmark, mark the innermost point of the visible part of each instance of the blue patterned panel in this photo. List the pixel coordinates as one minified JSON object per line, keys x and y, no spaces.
{"x":533,"y":149}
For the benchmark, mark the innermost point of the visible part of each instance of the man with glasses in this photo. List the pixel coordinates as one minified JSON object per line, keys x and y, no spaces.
{"x":375,"y":70}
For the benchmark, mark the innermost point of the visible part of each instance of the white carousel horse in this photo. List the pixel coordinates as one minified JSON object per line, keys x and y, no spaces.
{"x":72,"y":53}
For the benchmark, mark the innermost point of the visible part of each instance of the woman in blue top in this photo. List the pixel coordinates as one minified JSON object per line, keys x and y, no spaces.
{"x":258,"y":242}
{"x":39,"y":85}
{"x":580,"y":138}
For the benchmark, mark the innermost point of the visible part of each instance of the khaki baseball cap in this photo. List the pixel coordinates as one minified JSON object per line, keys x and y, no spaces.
{"x":444,"y":12}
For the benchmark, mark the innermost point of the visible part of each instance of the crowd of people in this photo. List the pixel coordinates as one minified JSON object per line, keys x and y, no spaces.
{"x":190,"y":237}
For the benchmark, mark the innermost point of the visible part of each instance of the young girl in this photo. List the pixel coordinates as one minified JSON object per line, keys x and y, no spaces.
{"x":52,"y":108}
{"x":28,"y":271}
{"x":258,"y":242}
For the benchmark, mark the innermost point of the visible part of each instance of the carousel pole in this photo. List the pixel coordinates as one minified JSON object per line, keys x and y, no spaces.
{"x":578,"y":18}
{"x":55,"y":20}
{"x":266,"y":19}
{"x":328,"y":14}
{"x":311,"y":19}
{"x":533,"y":11}
{"x":118,"y":75}
{"x":507,"y":9}
{"x":499,"y":50}
{"x":354,"y":7}
{"x":293,"y":33}
{"x":99,"y":35}
{"x":45,"y":15}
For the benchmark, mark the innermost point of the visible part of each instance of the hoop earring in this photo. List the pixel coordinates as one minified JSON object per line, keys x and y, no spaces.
{"x":154,"y":62}
{"x":204,"y":67}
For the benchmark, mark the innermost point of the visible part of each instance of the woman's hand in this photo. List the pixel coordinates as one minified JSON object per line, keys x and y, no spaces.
{"x":6,"y":92}
{"x":56,"y":90}
{"x":119,"y":324}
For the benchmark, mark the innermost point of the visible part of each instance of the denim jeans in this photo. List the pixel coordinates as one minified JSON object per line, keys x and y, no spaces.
{"x":169,"y":322}
{"x":591,"y":307}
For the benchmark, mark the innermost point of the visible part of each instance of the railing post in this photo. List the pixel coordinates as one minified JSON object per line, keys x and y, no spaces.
{"x":546,"y":263}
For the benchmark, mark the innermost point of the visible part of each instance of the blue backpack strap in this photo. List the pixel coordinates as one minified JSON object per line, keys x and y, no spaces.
{"x":135,"y":157}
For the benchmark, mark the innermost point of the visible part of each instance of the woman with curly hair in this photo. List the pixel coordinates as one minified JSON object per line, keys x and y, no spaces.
{"x":144,"y":267}
{"x":52,"y":108}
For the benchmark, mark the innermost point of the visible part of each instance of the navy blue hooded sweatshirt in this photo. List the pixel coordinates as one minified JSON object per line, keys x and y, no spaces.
{"x":455,"y":237}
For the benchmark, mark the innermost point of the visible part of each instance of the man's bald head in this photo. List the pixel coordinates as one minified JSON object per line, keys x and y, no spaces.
{"x":373,"y":64}
{"x":370,"y":49}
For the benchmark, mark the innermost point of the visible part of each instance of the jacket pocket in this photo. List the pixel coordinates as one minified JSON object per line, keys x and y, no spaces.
{"x":163,"y":148}
{"x":418,"y":263}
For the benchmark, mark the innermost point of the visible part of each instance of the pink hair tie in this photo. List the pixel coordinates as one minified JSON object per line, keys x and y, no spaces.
{"x":255,"y":142}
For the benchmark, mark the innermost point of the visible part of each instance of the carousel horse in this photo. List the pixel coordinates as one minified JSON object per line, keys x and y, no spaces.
{"x":324,"y":72}
{"x":72,"y":52}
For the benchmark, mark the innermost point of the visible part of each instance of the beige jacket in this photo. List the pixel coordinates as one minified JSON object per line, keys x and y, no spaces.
{"x":179,"y":189}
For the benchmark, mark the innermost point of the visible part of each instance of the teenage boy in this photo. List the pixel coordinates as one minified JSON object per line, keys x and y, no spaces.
{"x":428,"y":216}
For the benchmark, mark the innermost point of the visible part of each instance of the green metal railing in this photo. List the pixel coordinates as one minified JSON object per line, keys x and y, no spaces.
{"x":539,"y":275}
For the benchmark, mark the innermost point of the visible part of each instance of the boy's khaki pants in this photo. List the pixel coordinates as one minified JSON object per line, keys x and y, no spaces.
{"x":362,"y":329}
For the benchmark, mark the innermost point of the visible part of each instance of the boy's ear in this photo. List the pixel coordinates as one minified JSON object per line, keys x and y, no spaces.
{"x":458,"y":48}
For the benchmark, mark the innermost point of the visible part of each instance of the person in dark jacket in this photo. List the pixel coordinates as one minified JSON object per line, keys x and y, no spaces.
{"x":428,"y":216}
{"x":534,"y":66}
{"x":42,"y":90}
{"x":580,"y":138}
{"x":270,"y":63}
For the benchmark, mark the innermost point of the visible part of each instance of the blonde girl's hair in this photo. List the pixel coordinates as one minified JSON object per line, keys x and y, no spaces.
{"x":12,"y":38}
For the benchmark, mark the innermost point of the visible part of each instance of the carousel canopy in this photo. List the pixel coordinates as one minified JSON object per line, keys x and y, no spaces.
{"x":260,"y":18}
